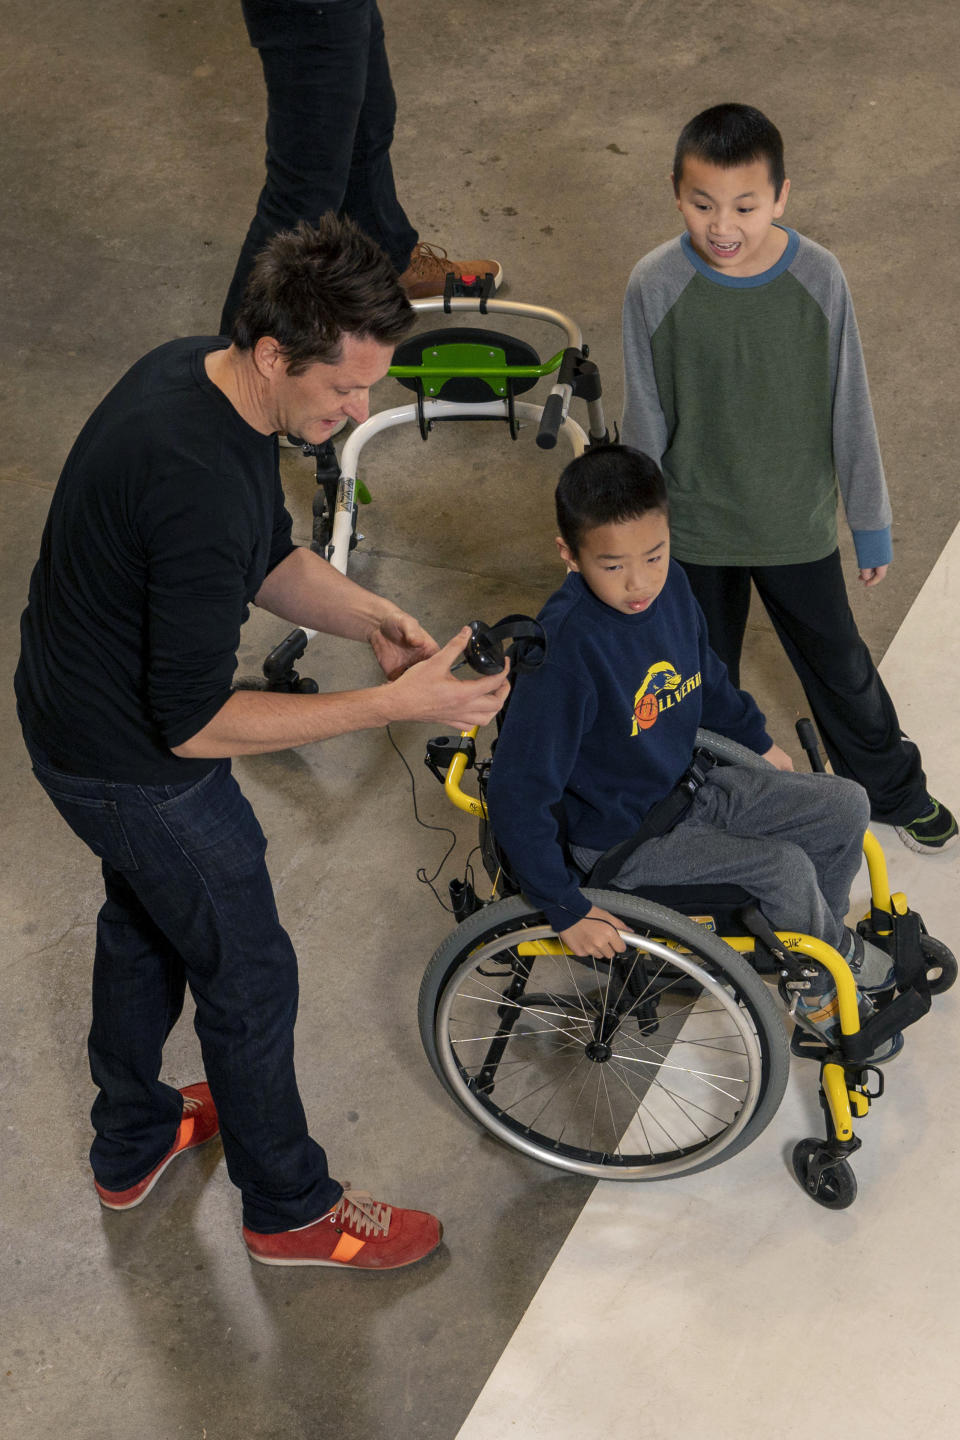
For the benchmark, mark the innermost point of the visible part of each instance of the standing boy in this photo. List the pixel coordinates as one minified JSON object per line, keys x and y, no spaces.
{"x":745,"y":380}
{"x":605,"y":729}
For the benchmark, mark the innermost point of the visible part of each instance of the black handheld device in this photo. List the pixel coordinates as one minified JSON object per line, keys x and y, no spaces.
{"x":486,"y":652}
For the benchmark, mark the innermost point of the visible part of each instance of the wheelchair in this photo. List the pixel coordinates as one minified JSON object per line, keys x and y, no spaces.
{"x":673,"y":1056}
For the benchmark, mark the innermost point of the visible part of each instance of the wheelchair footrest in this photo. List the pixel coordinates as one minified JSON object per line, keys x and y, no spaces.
{"x":905,"y":1010}
{"x":808,"y":1046}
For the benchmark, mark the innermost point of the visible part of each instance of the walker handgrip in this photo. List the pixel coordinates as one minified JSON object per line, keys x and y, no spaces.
{"x":550,"y":422}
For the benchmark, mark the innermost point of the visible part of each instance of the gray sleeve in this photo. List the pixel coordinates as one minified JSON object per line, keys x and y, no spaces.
{"x":856,"y":449}
{"x":654,"y":285}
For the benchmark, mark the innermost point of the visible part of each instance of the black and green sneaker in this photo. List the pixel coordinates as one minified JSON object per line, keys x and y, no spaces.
{"x":934,"y":830}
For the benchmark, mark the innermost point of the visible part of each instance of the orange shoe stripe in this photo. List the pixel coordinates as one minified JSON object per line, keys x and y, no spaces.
{"x":185,"y":1133}
{"x":346,"y":1247}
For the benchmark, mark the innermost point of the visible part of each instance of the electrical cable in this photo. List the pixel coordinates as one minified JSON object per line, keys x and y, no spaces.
{"x":422,"y":875}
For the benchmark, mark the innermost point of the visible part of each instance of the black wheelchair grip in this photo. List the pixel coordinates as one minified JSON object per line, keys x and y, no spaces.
{"x":807,"y":736}
{"x":550,"y":422}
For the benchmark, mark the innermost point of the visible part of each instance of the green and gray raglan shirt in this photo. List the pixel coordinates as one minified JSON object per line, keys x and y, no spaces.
{"x":751,"y":394}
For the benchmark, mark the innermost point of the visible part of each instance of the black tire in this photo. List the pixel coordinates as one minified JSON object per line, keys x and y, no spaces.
{"x":941,"y":964}
{"x":835,"y":1188}
{"x":664,"y":1064}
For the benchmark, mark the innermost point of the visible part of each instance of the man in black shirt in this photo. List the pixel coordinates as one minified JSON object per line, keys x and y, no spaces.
{"x":167,"y":522}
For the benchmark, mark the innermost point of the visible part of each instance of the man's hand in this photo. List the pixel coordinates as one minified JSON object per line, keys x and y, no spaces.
{"x":399,"y":641}
{"x":873,"y":574}
{"x":596,"y":934}
{"x":778,"y":758}
{"x":253,"y":722}
{"x":428,"y":691}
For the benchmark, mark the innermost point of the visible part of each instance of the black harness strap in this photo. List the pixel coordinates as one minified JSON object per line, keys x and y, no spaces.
{"x":659,"y":820}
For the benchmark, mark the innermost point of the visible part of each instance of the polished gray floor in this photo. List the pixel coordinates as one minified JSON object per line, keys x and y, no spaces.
{"x":541,"y":135}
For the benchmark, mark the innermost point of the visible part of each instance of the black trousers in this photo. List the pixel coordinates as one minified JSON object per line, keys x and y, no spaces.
{"x":330,"y":116}
{"x":810,"y":611}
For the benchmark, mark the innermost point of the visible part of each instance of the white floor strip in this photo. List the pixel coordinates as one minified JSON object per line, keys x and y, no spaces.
{"x":731,"y":1307}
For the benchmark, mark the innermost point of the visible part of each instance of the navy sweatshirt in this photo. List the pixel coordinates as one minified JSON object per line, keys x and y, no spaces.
{"x":604,"y":729}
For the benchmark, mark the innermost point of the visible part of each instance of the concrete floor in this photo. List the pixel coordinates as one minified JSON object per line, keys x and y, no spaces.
{"x":131,"y":159}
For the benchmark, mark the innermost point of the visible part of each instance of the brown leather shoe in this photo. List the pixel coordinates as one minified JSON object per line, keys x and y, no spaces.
{"x":429,"y":266}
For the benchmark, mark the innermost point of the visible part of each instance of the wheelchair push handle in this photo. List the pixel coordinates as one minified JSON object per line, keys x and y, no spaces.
{"x":807,"y":735}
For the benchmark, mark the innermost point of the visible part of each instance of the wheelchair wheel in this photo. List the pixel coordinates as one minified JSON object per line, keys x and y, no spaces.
{"x":662,"y":1062}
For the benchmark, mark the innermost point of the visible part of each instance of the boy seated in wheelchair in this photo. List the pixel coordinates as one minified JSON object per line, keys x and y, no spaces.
{"x":597,"y":747}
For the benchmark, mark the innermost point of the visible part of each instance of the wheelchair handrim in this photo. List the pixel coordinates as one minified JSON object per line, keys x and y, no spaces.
{"x":573,"y":1158}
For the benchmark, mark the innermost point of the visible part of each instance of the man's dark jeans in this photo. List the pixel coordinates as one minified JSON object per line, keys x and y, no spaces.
{"x":331,"y":110}
{"x":189,"y":901}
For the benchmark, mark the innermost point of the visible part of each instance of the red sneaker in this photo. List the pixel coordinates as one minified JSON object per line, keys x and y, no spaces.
{"x":198,"y":1125}
{"x":359,"y":1233}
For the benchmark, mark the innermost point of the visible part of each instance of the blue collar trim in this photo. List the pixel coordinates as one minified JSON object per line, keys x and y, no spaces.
{"x":743,"y":282}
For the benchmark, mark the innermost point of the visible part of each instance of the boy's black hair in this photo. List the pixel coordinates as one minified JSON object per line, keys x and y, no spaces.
{"x":605,"y":486}
{"x":729,"y":135}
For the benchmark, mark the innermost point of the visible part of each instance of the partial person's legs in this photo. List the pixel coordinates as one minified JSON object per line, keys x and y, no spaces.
{"x":371,"y":196}
{"x":723,"y":594}
{"x":138,"y":989}
{"x":186,"y":863}
{"x":793,"y":841}
{"x":316,"y":94}
{"x":823,"y":815}
{"x":203,"y":877}
{"x":810,"y":611}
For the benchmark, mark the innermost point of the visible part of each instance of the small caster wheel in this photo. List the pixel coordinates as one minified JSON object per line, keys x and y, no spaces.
{"x":835,"y":1186}
{"x":941,"y":964}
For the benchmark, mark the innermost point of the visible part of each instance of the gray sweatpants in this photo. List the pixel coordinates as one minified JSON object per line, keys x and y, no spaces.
{"x":793,"y":841}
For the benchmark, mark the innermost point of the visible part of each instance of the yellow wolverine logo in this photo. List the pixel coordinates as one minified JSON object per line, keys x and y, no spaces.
{"x":662,"y":688}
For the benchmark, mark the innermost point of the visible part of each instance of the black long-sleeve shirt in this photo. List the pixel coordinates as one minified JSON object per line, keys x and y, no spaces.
{"x":167,"y":517}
